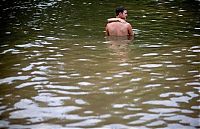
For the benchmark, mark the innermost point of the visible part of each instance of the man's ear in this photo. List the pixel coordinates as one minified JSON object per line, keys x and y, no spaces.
{"x":120,"y":14}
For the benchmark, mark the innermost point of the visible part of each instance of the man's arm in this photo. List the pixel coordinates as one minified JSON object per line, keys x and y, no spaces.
{"x":116,"y":20}
{"x":130,"y":30}
{"x":107,"y":32}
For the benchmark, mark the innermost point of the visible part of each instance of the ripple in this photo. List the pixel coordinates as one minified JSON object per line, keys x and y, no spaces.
{"x":124,"y":64}
{"x":51,"y":100}
{"x":11,"y":80}
{"x":193,"y":84}
{"x":184,"y":119}
{"x":38,"y":73}
{"x":170,"y":94}
{"x":156,"y":123}
{"x":30,"y":45}
{"x":195,"y":63}
{"x":120,"y":105}
{"x":125,"y":73}
{"x":155,"y":46}
{"x":167,"y":103}
{"x":83,"y":59}
{"x":144,"y":117}
{"x":118,"y":126}
{"x":53,"y":47}
{"x":80,"y":102}
{"x":173,"y":66}
{"x":167,"y":54}
{"x":172,"y":79}
{"x":8,"y":33}
{"x":13,"y":51}
{"x":190,"y":55}
{"x":57,"y":55}
{"x":65,"y":92}
{"x":39,"y":79}
{"x":25,"y":106}
{"x":153,"y":85}
{"x":128,"y":91}
{"x":85,"y":83}
{"x":117,"y":76}
{"x":2,"y":109}
{"x":196,"y":50}
{"x":37,"y":126}
{"x":151,"y":54}
{"x":4,"y":45}
{"x":192,"y":94}
{"x":87,"y":46}
{"x":85,"y":123}
{"x":62,"y":87}
{"x":51,"y":38}
{"x":196,"y":35}
{"x":135,"y":79}
{"x":28,"y":67}
{"x":105,"y":88}
{"x":176,"y":51}
{"x":44,"y":68}
{"x":178,"y":126}
{"x":151,"y":65}
{"x":165,"y":110}
{"x":195,"y":107}
{"x":182,"y":99}
{"x":74,"y":74}
{"x":27,"y":84}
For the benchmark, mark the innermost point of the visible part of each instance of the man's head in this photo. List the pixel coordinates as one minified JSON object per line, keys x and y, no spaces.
{"x":121,"y":12}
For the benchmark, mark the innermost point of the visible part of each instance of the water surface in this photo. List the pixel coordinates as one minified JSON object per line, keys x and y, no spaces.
{"x":58,"y":70}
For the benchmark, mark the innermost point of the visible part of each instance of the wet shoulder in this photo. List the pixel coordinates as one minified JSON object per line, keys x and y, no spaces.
{"x":117,"y":25}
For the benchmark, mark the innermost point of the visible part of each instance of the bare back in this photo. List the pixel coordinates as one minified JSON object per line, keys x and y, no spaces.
{"x":118,"y":29}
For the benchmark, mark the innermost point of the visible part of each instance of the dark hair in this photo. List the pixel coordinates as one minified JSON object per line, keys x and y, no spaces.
{"x":119,"y":9}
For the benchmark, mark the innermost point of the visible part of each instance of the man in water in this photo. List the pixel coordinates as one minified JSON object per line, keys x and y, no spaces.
{"x":118,"y":26}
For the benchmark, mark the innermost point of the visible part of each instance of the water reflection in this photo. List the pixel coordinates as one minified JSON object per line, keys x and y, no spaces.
{"x":119,"y":45}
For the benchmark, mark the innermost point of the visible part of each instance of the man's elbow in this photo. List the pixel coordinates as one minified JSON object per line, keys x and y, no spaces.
{"x":131,"y":33}
{"x":107,"y":33}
